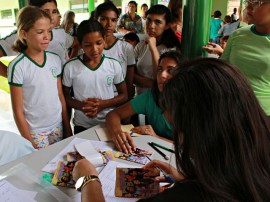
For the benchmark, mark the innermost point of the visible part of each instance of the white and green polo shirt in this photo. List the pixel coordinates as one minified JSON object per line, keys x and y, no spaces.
{"x":88,"y":82}
{"x":60,"y":42}
{"x":41,"y":104}
{"x":123,"y":52}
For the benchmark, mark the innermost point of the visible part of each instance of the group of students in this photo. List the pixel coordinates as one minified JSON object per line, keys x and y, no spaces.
{"x":43,"y":82}
{"x":220,"y":117}
{"x":219,"y":128}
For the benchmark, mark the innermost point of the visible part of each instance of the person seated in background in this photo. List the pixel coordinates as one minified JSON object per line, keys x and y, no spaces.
{"x":13,"y":146}
{"x":130,"y":22}
{"x":222,"y":138}
{"x":131,"y":38}
{"x":147,"y":104}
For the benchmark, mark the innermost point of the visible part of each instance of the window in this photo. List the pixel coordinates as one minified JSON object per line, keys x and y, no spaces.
{"x":6,"y":14}
{"x":79,"y":6}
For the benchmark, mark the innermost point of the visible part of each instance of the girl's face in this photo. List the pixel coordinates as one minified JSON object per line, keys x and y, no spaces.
{"x":155,"y":25}
{"x":93,"y":45}
{"x":38,"y":37}
{"x":259,"y":15}
{"x":108,"y":19}
{"x":51,"y":9}
{"x":164,"y":72}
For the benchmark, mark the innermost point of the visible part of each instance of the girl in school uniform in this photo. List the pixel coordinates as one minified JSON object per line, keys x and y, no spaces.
{"x":107,"y":14}
{"x":92,"y":77}
{"x":60,"y":41}
{"x":161,"y":39}
{"x":34,"y":76}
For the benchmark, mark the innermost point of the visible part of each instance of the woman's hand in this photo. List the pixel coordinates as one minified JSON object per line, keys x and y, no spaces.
{"x":145,"y":130}
{"x":124,"y":142}
{"x":83,"y":168}
{"x":153,"y":166}
{"x":213,"y":48}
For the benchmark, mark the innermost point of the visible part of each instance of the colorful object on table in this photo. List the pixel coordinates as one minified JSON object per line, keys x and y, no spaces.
{"x":135,"y":182}
{"x":139,"y":156}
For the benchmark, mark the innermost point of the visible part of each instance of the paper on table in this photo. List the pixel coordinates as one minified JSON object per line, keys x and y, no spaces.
{"x":108,"y":177}
{"x":11,"y":194}
{"x":104,"y":135}
{"x":87,"y":150}
{"x":52,"y":164}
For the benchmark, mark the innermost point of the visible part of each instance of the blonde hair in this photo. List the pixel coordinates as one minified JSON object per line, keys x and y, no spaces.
{"x":68,"y":20}
{"x":26,"y":20}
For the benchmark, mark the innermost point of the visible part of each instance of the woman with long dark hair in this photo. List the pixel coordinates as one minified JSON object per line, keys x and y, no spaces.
{"x":222,"y":138}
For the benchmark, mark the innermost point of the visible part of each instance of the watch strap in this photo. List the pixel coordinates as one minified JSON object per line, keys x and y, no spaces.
{"x":87,"y":179}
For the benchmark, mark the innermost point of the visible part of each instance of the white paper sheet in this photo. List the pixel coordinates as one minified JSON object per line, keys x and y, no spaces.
{"x":52,"y":164}
{"x":9,"y":193}
{"x":87,"y":150}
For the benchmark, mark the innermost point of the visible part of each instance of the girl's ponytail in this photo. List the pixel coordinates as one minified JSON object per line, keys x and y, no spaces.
{"x":19,"y":45}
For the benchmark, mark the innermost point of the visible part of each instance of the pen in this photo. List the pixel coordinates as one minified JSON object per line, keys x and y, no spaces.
{"x":168,"y":178}
{"x":162,"y":147}
{"x":158,"y":151}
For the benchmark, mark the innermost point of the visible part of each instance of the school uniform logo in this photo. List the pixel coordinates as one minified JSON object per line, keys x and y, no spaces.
{"x":54,"y":72}
{"x":109,"y":80}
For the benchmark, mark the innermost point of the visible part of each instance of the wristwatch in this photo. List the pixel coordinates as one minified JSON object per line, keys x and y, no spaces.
{"x":82,"y":181}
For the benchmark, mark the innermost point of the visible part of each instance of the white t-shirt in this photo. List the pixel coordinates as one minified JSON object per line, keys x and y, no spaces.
{"x":7,"y":42}
{"x":59,"y":43}
{"x":92,"y":83}
{"x":144,"y":61}
{"x":41,"y":104}
{"x":123,"y":52}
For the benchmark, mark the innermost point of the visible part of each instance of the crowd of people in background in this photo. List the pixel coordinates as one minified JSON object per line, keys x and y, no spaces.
{"x":112,"y":67}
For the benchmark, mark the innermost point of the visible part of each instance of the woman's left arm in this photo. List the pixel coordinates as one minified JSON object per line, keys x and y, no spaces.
{"x":66,"y":124}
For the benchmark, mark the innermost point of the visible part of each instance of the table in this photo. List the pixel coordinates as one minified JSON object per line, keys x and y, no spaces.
{"x":37,"y":160}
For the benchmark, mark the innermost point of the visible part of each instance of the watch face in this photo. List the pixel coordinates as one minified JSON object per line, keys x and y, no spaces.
{"x":79,"y":183}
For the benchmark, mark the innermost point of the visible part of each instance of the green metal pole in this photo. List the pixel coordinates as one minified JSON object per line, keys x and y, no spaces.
{"x":91,"y":6}
{"x":153,"y":2}
{"x":196,"y":27}
{"x":22,"y":3}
